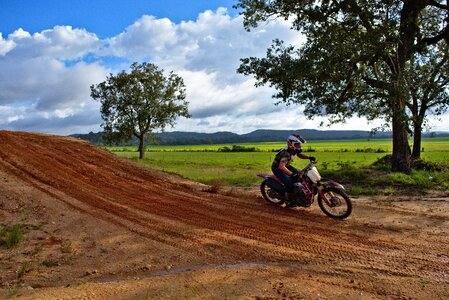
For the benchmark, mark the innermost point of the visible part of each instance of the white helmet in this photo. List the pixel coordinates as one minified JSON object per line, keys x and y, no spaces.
{"x":294,"y":142}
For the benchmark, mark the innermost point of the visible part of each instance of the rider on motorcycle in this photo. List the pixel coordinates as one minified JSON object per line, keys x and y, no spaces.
{"x":282,"y":168}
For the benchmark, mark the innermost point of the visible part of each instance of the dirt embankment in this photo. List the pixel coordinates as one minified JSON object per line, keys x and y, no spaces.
{"x":99,"y":226}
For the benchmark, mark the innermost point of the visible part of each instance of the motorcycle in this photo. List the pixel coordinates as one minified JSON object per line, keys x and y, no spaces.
{"x":331,"y":196}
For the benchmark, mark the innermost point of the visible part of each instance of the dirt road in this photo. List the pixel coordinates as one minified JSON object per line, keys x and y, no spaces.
{"x":98,"y":226}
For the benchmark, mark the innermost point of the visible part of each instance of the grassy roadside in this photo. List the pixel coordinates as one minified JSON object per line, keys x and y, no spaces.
{"x":378,"y":181}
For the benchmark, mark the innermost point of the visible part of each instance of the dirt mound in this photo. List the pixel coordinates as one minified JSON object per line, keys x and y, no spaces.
{"x":100,"y":226}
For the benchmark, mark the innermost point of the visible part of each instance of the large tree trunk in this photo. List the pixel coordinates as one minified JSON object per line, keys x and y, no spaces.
{"x":401,"y":150}
{"x":141,"y":146}
{"x":417,"y":134}
{"x":408,"y":31}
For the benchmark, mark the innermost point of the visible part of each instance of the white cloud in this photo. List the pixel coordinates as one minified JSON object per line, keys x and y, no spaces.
{"x":214,"y":42}
{"x":147,"y":35}
{"x":19,"y":34}
{"x":5,"y":45}
{"x":47,"y":83}
{"x":61,"y":42}
{"x":10,"y":114}
{"x":44,"y":81}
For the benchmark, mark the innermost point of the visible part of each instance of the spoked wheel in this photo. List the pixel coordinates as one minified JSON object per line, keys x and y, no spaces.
{"x":270,"y":195}
{"x":335,"y":203}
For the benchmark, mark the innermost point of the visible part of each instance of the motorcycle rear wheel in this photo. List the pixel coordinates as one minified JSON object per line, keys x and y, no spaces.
{"x":270,"y":195}
{"x":335,"y":203}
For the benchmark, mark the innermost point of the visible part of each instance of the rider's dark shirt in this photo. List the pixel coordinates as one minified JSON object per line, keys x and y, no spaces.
{"x":285,"y":155}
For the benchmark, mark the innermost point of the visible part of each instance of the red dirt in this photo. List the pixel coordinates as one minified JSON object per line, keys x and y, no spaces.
{"x":106,"y":227}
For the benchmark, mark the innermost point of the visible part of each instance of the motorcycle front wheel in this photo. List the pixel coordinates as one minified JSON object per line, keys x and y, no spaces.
{"x":270,"y":195}
{"x":335,"y":203}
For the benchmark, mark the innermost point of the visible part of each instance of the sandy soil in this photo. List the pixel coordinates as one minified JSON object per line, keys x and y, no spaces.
{"x":101,"y":227}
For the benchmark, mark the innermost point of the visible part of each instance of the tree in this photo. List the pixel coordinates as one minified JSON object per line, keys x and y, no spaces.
{"x":138,"y":102}
{"x":354,"y":58}
{"x":428,"y":80}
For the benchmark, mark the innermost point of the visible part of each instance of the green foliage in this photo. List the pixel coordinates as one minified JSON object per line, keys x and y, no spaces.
{"x":417,"y":179}
{"x":11,"y":235}
{"x":310,"y":149}
{"x":422,"y":164}
{"x":24,"y":268}
{"x":12,"y":291}
{"x":371,"y":150}
{"x":389,"y":191}
{"x":345,"y":173}
{"x":350,"y":59}
{"x":383,"y":163}
{"x":139,"y":102}
{"x":396,"y":178}
{"x":364,"y":190}
{"x":237,"y":148}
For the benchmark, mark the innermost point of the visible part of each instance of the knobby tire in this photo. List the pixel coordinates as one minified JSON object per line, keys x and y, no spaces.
{"x":324,"y":206}
{"x":263,"y":190}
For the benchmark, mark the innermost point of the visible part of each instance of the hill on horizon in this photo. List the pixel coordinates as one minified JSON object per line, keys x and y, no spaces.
{"x":260,"y":135}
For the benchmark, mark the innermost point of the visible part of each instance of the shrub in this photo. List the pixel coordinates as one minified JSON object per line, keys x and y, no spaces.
{"x":67,"y":247}
{"x":348,"y":165}
{"x":24,"y":268}
{"x":369,"y":191}
{"x":237,"y":148}
{"x":11,"y":236}
{"x":356,"y":190}
{"x":383,"y":163}
{"x":346,"y":173}
{"x":421,"y":164}
{"x":12,"y":291}
{"x":389,"y":191}
{"x":371,"y":150}
{"x":396,"y":178}
{"x":310,"y":149}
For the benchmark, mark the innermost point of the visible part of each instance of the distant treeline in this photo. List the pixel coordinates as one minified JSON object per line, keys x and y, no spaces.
{"x":262,"y":135}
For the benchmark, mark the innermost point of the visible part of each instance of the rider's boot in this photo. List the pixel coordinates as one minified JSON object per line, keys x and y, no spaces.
{"x":291,"y":201}
{"x":301,"y":200}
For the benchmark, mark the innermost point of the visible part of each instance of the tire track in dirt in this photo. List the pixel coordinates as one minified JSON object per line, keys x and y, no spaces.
{"x":149,"y":203}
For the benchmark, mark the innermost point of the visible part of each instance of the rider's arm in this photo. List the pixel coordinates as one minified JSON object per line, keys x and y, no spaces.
{"x":303,"y":156}
{"x":283,"y":168}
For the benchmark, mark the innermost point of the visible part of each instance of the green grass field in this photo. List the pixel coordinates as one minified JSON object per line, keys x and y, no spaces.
{"x":377,"y":145}
{"x":205,"y":164}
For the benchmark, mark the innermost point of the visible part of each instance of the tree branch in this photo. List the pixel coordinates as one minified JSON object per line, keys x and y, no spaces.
{"x":351,"y":6}
{"x":439,"y":5}
{"x":434,"y":39}
{"x":374,"y":83}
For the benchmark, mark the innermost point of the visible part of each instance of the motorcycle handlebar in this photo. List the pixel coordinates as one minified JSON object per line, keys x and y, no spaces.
{"x":309,"y":165}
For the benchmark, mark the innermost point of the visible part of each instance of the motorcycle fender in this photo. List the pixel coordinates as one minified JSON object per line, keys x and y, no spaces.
{"x":329,"y":183}
{"x":275,"y":185}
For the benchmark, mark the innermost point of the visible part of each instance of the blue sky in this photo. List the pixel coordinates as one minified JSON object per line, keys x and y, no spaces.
{"x":106,"y":18}
{"x":51,"y":52}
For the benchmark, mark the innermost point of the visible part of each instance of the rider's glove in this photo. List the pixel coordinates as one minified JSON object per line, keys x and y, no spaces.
{"x":312,"y":158}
